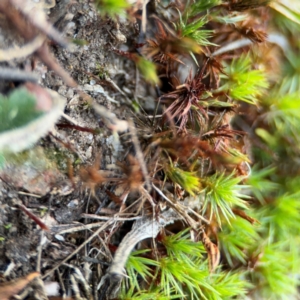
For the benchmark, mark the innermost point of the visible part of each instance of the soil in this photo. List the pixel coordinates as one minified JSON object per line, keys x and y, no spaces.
{"x":42,"y":180}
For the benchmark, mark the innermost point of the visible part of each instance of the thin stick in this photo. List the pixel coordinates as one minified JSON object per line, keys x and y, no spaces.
{"x":180,"y":209}
{"x":30,"y":194}
{"x":108,"y":253}
{"x":139,"y":154}
{"x":110,"y":119}
{"x":39,"y":256}
{"x":108,"y":79}
{"x":144,"y":16}
{"x":74,"y":228}
{"x":91,"y":216}
{"x":49,"y":60}
{"x":105,"y":225}
{"x":198,"y":216}
{"x":17,"y":75}
{"x":68,"y":118}
{"x":61,"y":284}
{"x":32,"y":216}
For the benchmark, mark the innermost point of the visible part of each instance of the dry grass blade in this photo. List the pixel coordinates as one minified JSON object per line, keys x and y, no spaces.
{"x":232,"y":46}
{"x":110,"y":119}
{"x":243,"y":215}
{"x":213,"y":252}
{"x":104,"y":218}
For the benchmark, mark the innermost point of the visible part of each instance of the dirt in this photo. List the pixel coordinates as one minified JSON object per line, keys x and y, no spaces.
{"x":41,"y":180}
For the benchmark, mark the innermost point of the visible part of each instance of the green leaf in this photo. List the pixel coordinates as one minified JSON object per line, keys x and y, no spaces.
{"x":237,"y":156}
{"x":149,"y":294}
{"x":288,"y":8}
{"x":21,"y":124}
{"x":284,"y":115}
{"x":2,"y":160}
{"x":270,"y":139}
{"x":231,"y":19}
{"x":17,"y":109}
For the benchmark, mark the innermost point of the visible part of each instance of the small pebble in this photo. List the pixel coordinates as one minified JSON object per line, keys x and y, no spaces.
{"x":59,"y":237}
{"x":88,"y":153}
{"x":98,"y":88}
{"x":44,"y":240}
{"x":73,"y":204}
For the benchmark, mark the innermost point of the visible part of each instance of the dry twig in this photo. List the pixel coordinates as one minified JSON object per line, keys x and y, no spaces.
{"x":142,"y":229}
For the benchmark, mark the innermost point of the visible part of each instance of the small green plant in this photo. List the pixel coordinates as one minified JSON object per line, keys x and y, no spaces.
{"x":224,"y":151}
{"x":261,"y":183}
{"x":112,"y":8}
{"x":236,"y":237}
{"x":222,"y":193}
{"x":7,"y":226}
{"x":193,"y":30}
{"x":277,"y":279}
{"x":101,"y":72}
{"x":213,"y":170}
{"x":182,"y":273}
{"x":148,"y":70}
{"x":242,"y":83}
{"x":189,"y":181}
{"x":137,"y":265}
